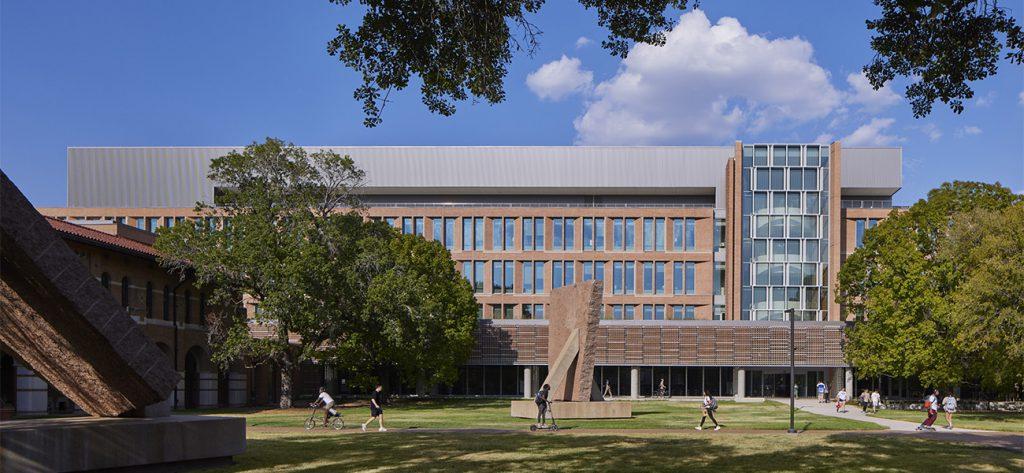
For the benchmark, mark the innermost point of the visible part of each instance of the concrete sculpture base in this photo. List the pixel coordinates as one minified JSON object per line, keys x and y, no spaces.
{"x":87,"y":443}
{"x":527,"y":409}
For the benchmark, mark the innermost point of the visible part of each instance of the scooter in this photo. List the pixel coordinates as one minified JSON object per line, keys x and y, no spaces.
{"x":552,"y":427}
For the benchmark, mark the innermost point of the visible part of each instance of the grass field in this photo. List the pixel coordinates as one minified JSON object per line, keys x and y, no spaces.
{"x":1001,"y":421}
{"x":494,"y":414}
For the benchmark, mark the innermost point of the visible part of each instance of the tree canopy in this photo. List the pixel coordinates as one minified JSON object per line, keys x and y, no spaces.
{"x":910,"y":290}
{"x":462,"y":50}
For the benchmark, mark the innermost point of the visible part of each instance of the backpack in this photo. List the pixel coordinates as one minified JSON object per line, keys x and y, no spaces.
{"x":539,"y":397}
{"x":714,"y":404}
{"x":927,"y":404}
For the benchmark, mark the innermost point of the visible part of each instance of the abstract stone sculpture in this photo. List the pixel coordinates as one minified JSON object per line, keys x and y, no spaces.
{"x":575,"y":312}
{"x":56,"y":317}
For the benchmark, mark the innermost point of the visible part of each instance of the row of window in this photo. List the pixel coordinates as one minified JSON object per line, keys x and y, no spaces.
{"x":783,"y":155}
{"x":782,"y":203}
{"x":786,"y":274}
{"x":776,"y":179}
{"x":782,"y":226}
{"x":563,"y":235}
{"x":563,"y":273}
{"x":169,"y":299}
{"x":611,"y":311}
{"x":784,"y":250}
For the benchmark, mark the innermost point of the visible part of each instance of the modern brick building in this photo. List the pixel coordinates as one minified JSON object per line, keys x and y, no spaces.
{"x":701,"y":249}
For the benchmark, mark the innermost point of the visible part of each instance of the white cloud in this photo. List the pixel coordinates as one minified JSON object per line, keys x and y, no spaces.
{"x":968,"y":130}
{"x":707,"y":83}
{"x":582,"y":41}
{"x":559,"y":79}
{"x":864,"y":95}
{"x":824,"y":138}
{"x":1020,"y":97}
{"x":985,"y":100}
{"x":932,"y":131}
{"x":872,"y":134}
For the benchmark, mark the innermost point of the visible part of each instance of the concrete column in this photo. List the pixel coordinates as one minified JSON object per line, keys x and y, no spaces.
{"x":849,"y":382}
{"x":31,"y":393}
{"x":527,"y":382}
{"x":740,"y":382}
{"x":634,"y":383}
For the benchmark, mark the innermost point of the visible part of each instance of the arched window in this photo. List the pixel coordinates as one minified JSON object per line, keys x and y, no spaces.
{"x":188,"y":307}
{"x":149,"y":299}
{"x":126,"y":292}
{"x":105,"y":280}
{"x":202,"y":308}
{"x":167,"y":302}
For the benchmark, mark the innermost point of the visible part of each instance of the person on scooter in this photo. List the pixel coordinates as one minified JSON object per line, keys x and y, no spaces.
{"x":542,"y":404}
{"x":326,"y":401}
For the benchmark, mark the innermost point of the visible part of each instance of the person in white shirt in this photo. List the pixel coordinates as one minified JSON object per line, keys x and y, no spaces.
{"x":949,"y":406}
{"x":841,"y":399}
{"x":876,"y":401}
{"x":931,"y":403}
{"x":326,"y":402}
{"x":708,"y":408}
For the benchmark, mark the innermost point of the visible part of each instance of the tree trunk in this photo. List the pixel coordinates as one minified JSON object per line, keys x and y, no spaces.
{"x":286,"y":385}
{"x":421,"y":384}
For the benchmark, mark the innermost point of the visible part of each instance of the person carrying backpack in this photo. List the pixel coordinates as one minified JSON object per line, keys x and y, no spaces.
{"x":931,"y":403}
{"x":708,"y":408}
{"x":541,"y":399}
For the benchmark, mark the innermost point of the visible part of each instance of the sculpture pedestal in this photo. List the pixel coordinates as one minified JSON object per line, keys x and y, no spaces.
{"x":88,"y":443}
{"x":527,"y":409}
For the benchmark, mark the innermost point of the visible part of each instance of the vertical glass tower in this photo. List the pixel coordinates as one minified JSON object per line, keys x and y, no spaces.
{"x":784,"y":230}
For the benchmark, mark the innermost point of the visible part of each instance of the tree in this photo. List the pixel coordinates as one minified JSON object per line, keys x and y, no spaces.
{"x":942,"y":45}
{"x":897,"y":287}
{"x":462,"y":49}
{"x":985,"y":251}
{"x":419,"y":316}
{"x":284,"y":243}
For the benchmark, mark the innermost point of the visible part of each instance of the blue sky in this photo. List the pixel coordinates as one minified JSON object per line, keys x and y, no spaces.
{"x":189,"y":73}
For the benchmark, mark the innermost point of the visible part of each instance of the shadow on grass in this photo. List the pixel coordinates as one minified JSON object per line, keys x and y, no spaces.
{"x":436,"y":452}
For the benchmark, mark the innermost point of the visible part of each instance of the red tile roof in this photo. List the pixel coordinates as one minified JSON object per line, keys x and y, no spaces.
{"x":96,"y":237}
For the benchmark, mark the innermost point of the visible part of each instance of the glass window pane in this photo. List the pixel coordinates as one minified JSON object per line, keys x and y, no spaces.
{"x":478,"y":230}
{"x":629,"y":312}
{"x":630,"y":234}
{"x":527,"y":277}
{"x":795,"y":179}
{"x":588,"y":236}
{"x":811,"y":179}
{"x":811,"y":250}
{"x":691,"y":237}
{"x":648,"y":312}
{"x":538,"y":277}
{"x":478,"y":276}
{"x":510,"y":276}
{"x":795,"y":275}
{"x":812,"y":203}
{"x":659,"y":312}
{"x":760,"y":203}
{"x":467,"y":233}
{"x":617,"y":277}
{"x":812,"y":155}
{"x":556,"y":274}
{"x":778,"y":155}
{"x":810,"y":274}
{"x":677,"y":278}
{"x":630,"y":277}
{"x":860,"y":233}
{"x":778,"y":179}
{"x":588,"y":270}
{"x":795,"y":226}
{"x":677,"y":234}
{"x":659,"y":277}
{"x":528,"y":234}
{"x":760,"y":156}
{"x":763,"y":179}
{"x":793,"y":250}
{"x":793,"y":203}
{"x":570,"y":233}
{"x":648,"y":277}
{"x":538,"y":233}
{"x":778,"y":250}
{"x":761,"y":227}
{"x":760,"y":250}
{"x":690,"y":268}
{"x":778,"y":226}
{"x":794,"y":155}
{"x":777,"y":274}
{"x":778,"y":203}
{"x":617,"y":228}
{"x":599,"y":234}
{"x":556,"y":240}
{"x":538,"y":311}
{"x":496,"y":274}
{"x":599,"y":270}
{"x":648,"y":234}
{"x":761,"y":274}
{"x":659,"y":234}
{"x":510,"y":233}
{"x":810,"y":227}
{"x":497,"y":234}
{"x":760,"y":298}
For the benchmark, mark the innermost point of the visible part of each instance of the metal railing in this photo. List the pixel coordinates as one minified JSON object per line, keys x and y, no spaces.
{"x":866,"y":204}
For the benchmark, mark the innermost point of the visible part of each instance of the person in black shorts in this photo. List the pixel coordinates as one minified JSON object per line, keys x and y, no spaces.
{"x":541,"y":399}
{"x":376,"y":409}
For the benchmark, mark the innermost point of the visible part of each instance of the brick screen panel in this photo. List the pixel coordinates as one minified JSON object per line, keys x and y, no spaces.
{"x":671,"y":344}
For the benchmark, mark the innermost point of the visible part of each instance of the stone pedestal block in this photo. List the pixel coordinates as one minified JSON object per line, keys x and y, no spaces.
{"x":576,"y":410}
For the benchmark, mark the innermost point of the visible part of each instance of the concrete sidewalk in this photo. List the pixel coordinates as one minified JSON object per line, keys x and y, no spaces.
{"x":855,"y":413}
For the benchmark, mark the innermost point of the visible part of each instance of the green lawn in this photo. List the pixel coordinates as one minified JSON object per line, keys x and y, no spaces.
{"x":277,"y":449}
{"x":494,"y":414}
{"x":1002,"y":421}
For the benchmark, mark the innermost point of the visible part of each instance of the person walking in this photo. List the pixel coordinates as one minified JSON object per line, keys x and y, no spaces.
{"x":931,"y":404}
{"x":876,"y":401}
{"x":865,"y":401}
{"x":607,"y":390}
{"x":708,"y":408}
{"x":376,"y":409}
{"x":841,"y":399}
{"x":949,"y":406}
{"x":820,"y":388}
{"x":541,"y":399}
{"x":662,"y":389}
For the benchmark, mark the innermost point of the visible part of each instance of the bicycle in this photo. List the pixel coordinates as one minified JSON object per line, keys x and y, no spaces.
{"x":335,"y":422}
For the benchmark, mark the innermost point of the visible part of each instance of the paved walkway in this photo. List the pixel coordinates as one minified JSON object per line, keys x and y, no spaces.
{"x":855,"y":413}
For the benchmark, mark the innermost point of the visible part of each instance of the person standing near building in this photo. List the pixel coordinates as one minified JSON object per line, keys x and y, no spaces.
{"x":662,"y":389}
{"x":931,"y":404}
{"x":841,"y":399}
{"x":376,"y":409}
{"x":607,"y":390}
{"x":827,"y":393}
{"x":876,"y":401}
{"x":949,"y":406}
{"x":708,"y":408}
{"x":865,"y":401}
{"x":820,"y":388}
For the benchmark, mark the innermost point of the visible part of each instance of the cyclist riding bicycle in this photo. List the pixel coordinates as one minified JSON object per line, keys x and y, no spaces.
{"x":327,"y":404}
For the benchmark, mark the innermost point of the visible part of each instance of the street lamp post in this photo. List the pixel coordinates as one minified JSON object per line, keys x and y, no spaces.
{"x":792,"y":370}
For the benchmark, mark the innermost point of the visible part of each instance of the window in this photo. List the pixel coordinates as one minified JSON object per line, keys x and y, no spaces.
{"x":126,"y":292}
{"x":562,"y":273}
{"x":449,"y":232}
{"x":617,"y":277}
{"x":407,"y":226}
{"x":527,"y":277}
{"x":630,"y":277}
{"x":648,"y":311}
{"x":648,"y":277}
{"x":690,"y":268}
{"x":149,"y":299}
{"x":533,"y":233}
{"x":630,"y":237}
{"x":812,"y":155}
{"x":503,"y":234}
{"x":719,"y":279}
{"x":659,"y":312}
{"x":467,"y":233}
{"x":659,"y":277}
{"x":538,"y":311}
{"x":497,"y":277}
{"x":678,"y":233}
{"x":510,"y":311}
{"x":188,"y":306}
{"x":677,"y":278}
{"x":628,"y":312}
{"x":862,"y":226}
{"x":169,"y":222}
{"x":474,"y":273}
{"x":811,"y":203}
{"x":593,"y":233}
{"x":623,"y":277}
{"x":527,"y":311}
{"x":617,"y":233}
{"x":167,"y":302}
{"x":533,"y":277}
{"x":564,"y":237}
{"x":390,"y":221}
{"x":593,"y":270}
